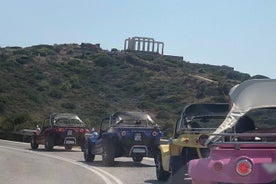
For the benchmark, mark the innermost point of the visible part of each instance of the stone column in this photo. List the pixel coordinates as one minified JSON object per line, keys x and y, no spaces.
{"x":144,"y":44}
{"x":162,"y":52}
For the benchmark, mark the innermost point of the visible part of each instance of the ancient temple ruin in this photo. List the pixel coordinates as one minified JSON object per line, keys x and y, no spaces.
{"x":144,"y":44}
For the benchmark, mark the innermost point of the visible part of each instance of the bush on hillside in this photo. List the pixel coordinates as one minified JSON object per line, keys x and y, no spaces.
{"x":16,"y":122}
{"x":104,"y":60}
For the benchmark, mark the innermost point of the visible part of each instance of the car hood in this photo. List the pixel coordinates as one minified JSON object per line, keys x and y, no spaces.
{"x":250,"y":94}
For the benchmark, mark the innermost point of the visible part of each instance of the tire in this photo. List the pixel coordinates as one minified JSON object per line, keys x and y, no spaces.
{"x":82,"y":148}
{"x":68,"y":148}
{"x":34,"y":145}
{"x":49,"y":143}
{"x":160,"y":173}
{"x":178,"y":169}
{"x":137,"y":158}
{"x":88,"y":157}
{"x":108,"y":154}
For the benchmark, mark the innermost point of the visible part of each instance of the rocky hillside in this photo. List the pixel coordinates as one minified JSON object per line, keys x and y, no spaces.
{"x":84,"y":79}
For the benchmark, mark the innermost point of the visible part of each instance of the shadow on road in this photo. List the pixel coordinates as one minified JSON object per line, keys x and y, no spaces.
{"x":185,"y":181}
{"x":99,"y":163}
{"x":54,"y":150}
{"x":156,"y":182}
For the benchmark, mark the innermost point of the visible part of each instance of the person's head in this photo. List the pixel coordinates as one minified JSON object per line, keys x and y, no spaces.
{"x":245,"y":123}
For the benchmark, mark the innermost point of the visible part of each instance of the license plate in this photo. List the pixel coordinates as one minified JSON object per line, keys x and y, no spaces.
{"x":69,"y":132}
{"x":137,"y":137}
{"x":139,"y":150}
{"x":69,"y":142}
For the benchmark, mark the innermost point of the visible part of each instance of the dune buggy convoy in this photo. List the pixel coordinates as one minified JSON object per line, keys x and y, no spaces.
{"x":195,"y":120}
{"x":213,"y":143}
{"x":123,"y":134}
{"x":61,"y":129}
{"x":243,"y":147}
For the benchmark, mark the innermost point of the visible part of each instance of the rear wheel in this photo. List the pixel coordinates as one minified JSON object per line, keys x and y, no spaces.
{"x":178,"y":169}
{"x":161,"y":174}
{"x":108,"y":154}
{"x":137,"y":158}
{"x":34,"y":145}
{"x":179,"y":165}
{"x":68,"y":147}
{"x":49,"y":143}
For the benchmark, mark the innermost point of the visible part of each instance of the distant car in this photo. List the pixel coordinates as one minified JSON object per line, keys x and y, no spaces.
{"x":195,"y":120}
{"x":62,"y":129}
{"x":243,"y":147}
{"x":124,"y":134}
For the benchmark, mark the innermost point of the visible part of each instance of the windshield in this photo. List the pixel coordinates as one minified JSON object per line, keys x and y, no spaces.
{"x":206,"y":122}
{"x":131,"y":122}
{"x":132,"y":119}
{"x":69,"y":122}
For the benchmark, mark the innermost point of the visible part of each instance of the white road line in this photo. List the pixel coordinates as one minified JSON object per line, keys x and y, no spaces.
{"x":101,"y":173}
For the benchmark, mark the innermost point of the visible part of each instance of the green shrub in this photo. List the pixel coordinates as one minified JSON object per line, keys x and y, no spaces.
{"x":104,"y":60}
{"x":16,"y":122}
{"x":24,"y":59}
{"x":55,"y":94}
{"x":164,"y":115}
{"x":55,"y":81}
{"x":66,"y":86}
{"x":2,"y":107}
{"x":68,"y":105}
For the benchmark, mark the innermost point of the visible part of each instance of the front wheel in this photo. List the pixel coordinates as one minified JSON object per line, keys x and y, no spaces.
{"x":108,"y":154}
{"x":161,"y":174}
{"x":88,"y":156}
{"x":34,"y":145}
{"x":49,"y":143}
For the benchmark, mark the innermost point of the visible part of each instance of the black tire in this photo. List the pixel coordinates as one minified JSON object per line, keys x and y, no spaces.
{"x":49,"y":143}
{"x":108,"y":154}
{"x":161,"y":174}
{"x":68,"y":148}
{"x":34,"y":145}
{"x":88,"y":156}
{"x":178,"y":169}
{"x":137,"y":158}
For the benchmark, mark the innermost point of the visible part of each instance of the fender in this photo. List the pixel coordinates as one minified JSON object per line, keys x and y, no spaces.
{"x":93,"y":137}
{"x":165,"y":152}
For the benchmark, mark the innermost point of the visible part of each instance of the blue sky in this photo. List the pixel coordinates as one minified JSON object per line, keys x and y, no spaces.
{"x":236,"y":33}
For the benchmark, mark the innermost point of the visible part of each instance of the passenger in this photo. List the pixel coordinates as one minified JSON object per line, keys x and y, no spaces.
{"x":245,"y":124}
{"x":138,"y":123}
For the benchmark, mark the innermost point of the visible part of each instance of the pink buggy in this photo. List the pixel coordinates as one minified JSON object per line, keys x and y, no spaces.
{"x":243,"y":148}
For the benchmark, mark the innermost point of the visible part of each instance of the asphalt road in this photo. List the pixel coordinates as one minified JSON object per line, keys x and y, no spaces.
{"x":21,"y":165}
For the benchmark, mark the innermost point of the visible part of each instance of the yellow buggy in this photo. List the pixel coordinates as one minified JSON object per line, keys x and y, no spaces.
{"x":195,"y":120}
